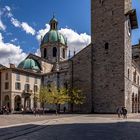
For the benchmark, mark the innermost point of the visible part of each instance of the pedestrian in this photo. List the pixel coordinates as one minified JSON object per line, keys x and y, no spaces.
{"x":34,"y":111}
{"x":64,"y":109}
{"x":119,"y":111}
{"x":124,"y":110}
{"x":22,"y":110}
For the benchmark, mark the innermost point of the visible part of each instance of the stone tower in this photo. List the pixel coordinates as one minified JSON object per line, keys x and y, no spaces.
{"x":111,"y":24}
{"x":53,"y":45}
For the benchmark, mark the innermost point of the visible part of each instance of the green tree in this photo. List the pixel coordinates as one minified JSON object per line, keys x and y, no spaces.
{"x":57,"y":97}
{"x":75,"y":97}
{"x":43,"y":96}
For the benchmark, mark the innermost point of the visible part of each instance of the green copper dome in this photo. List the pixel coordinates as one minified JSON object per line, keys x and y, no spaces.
{"x":53,"y":36}
{"x":30,"y":64}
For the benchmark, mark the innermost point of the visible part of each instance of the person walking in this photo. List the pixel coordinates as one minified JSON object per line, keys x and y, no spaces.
{"x":64,"y":109}
{"x":119,"y":111}
{"x":124,"y":110}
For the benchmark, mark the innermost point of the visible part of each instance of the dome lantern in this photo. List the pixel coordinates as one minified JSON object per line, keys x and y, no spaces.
{"x":53,"y":23}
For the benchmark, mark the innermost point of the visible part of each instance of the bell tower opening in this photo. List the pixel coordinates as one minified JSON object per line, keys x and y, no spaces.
{"x":53,"y":23}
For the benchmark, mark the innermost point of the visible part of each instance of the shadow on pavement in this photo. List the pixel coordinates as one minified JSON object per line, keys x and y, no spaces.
{"x":79,"y":131}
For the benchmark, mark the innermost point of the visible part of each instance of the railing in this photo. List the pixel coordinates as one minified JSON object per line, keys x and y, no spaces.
{"x":28,"y":91}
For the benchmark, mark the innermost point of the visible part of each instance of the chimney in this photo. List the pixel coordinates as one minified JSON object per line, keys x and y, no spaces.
{"x":12,"y":65}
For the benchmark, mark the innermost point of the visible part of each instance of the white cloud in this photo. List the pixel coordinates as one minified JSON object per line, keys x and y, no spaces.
{"x":7,"y":8}
{"x":14,"y":40}
{"x":23,"y":25}
{"x":74,"y":40}
{"x":10,"y":52}
{"x":42,"y":32}
{"x":15,"y":22}
{"x":38,"y":52}
{"x":28,"y":29}
{"x":2,"y":26}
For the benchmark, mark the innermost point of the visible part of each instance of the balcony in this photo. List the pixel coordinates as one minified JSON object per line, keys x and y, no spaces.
{"x":28,"y":91}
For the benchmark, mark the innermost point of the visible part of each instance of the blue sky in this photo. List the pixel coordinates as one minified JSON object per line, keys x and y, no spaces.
{"x":136,"y":33}
{"x":24,"y":21}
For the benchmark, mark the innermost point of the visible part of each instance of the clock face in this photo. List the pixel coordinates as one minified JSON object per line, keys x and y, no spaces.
{"x":129,"y":27}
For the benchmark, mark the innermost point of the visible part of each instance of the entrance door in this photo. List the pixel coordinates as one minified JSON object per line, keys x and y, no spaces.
{"x":17,"y":103}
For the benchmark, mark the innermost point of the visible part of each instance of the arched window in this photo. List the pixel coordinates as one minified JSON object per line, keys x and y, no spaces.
{"x":63,"y":53}
{"x":45,"y":53}
{"x":54,"y":52}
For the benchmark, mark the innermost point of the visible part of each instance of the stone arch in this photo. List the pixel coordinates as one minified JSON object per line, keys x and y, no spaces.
{"x":17,"y":103}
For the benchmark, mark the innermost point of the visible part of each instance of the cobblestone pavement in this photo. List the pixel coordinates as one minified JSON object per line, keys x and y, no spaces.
{"x":71,"y":127}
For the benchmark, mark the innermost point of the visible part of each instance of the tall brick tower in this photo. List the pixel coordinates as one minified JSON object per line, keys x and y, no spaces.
{"x":111,"y":25}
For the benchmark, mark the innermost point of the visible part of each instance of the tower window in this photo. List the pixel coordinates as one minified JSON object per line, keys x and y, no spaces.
{"x":54,"y":52}
{"x":102,"y":2}
{"x":106,"y":46}
{"x":45,"y":53}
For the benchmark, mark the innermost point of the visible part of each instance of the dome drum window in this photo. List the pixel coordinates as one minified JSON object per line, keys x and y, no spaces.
{"x":54,"y":52}
{"x":45,"y":52}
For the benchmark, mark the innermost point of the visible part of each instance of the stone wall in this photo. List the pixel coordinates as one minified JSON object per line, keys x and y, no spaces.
{"x":80,"y":71}
{"x":111,"y":55}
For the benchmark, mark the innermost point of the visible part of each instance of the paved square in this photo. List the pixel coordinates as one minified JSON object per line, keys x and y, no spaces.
{"x":71,"y":127}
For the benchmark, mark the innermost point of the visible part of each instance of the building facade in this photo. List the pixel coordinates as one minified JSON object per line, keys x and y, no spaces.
{"x":107,"y":70}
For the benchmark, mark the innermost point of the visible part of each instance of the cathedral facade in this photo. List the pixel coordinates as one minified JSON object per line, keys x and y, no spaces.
{"x":107,"y":70}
